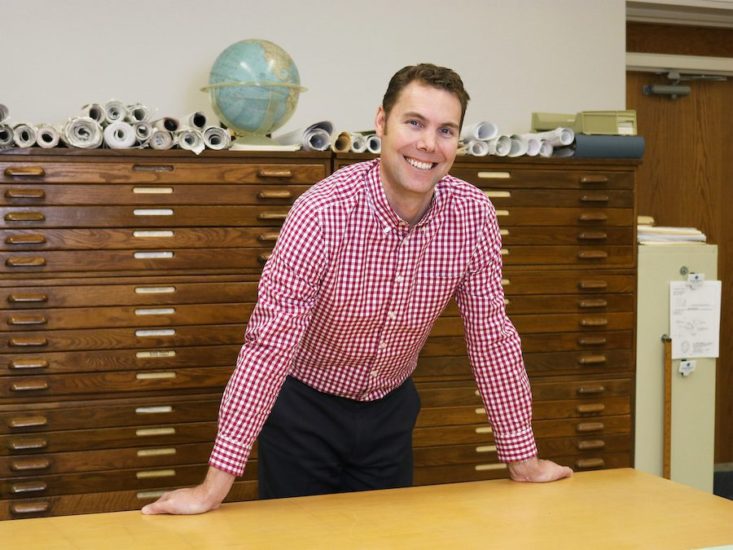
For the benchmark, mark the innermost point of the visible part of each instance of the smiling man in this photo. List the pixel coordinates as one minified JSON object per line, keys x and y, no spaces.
{"x":365,"y":263}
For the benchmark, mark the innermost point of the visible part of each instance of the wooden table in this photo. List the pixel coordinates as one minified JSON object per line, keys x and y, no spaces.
{"x":605,"y":509}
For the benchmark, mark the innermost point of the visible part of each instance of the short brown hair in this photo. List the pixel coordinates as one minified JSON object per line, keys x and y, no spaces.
{"x":442,"y":78}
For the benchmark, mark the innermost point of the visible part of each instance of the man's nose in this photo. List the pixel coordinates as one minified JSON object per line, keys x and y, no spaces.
{"x":426,"y":142}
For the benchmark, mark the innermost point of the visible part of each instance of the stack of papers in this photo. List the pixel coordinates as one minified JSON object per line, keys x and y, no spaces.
{"x":669,"y":235}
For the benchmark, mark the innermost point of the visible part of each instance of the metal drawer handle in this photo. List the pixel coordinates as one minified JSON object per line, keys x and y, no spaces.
{"x":28,"y":444}
{"x":25,"y":172}
{"x":162,"y":409}
{"x":486,"y":449}
{"x":591,"y":236}
{"x":594,"y":322}
{"x":583,"y":463}
{"x":270,"y":216}
{"x":28,"y":342}
{"x":262,"y":258}
{"x":144,"y":453}
{"x":591,"y":408}
{"x":592,"y":285}
{"x":164,"y":354}
{"x":28,"y":422}
{"x":504,"y":232}
{"x":155,"y":375}
{"x":592,"y":360}
{"x":163,"y":234}
{"x":29,"y":319}
{"x":591,"y":444}
{"x":592,"y":341}
{"x":268,"y":237}
{"x":484,"y":430}
{"x":480,"y":411}
{"x":25,"y":194}
{"x":149,"y":495}
{"x":594,"y":179}
{"x":29,"y":385}
{"x":488,"y":467}
{"x":28,"y":487}
{"x":153,"y":212}
{"x":585,"y":427}
{"x":592,"y":255}
{"x":502,"y":213}
{"x":152,"y":190}
{"x":158,"y":255}
{"x":25,"y":261}
{"x":591,"y":390}
{"x":24,"y":217}
{"x":274,"y":173}
{"x":493,"y":194}
{"x":32,"y":238}
{"x":594,"y":198}
{"x":495,"y":175}
{"x":155,"y":311}
{"x":28,"y":298}
{"x":586,"y":304}
{"x":27,"y":364}
{"x":155,"y":289}
{"x":505,"y":282}
{"x":37,"y":507}
{"x":593,"y":217}
{"x":147,"y":432}
{"x":275,"y":195}
{"x":143,"y":333}
{"x":152,"y":474}
{"x":30,"y":464}
{"x":153,"y":168}
{"x":504,"y":252}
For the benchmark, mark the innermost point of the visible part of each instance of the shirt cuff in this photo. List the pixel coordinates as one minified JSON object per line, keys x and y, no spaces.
{"x":229,"y":456}
{"x":515,"y":447}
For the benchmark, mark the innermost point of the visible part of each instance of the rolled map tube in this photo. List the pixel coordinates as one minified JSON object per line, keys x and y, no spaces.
{"x":477,"y":148}
{"x":143,"y":131}
{"x":374,"y":144}
{"x":95,"y":111}
{"x":500,"y":146}
{"x":190,"y":139}
{"x":358,"y":143}
{"x":167,"y":123}
{"x":119,"y":135}
{"x":82,"y":132}
{"x":3,"y":113}
{"x":217,"y":138}
{"x":6,"y":136}
{"x":137,"y":112}
{"x":480,"y":131}
{"x":197,"y":120}
{"x":24,"y":135}
{"x":47,"y":136}
{"x":114,"y":110}
{"x":341,"y":142}
{"x":161,"y":140}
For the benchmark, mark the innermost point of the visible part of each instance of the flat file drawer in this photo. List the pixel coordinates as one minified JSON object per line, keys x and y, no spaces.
{"x":510,"y":177}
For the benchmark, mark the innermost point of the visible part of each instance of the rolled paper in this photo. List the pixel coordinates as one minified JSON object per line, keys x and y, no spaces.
{"x":197,"y":120}
{"x":217,"y":138}
{"x":316,"y":137}
{"x":480,"y":131}
{"x":546,"y":148}
{"x":95,"y":111}
{"x":82,"y":132}
{"x":143,"y":131}
{"x":190,"y":139}
{"x":137,"y":113}
{"x":161,"y":140}
{"x":114,"y":110}
{"x":558,"y":137}
{"x":6,"y":136}
{"x":341,"y":142}
{"x":477,"y":148}
{"x":47,"y":136}
{"x":358,"y":143}
{"x":533,"y":147}
{"x":374,"y":144}
{"x":518,"y":147}
{"x":166,"y":123}
{"x":24,"y":135}
{"x":119,"y":135}
{"x":500,"y":146}
{"x":3,"y":113}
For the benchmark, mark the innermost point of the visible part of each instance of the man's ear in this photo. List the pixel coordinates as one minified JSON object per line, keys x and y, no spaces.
{"x":380,"y":122}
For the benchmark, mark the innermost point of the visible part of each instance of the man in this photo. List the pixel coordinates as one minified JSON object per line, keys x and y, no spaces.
{"x":366,"y":261}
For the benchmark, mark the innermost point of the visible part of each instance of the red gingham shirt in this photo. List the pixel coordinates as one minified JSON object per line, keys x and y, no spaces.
{"x":350,"y":294}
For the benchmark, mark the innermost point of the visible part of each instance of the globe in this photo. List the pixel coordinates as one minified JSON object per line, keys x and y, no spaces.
{"x":254,"y":88}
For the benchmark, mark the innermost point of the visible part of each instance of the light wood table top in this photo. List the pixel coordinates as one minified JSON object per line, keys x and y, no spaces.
{"x":593,"y":510}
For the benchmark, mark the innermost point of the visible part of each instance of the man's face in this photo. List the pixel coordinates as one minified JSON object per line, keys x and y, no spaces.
{"x":419,"y":140}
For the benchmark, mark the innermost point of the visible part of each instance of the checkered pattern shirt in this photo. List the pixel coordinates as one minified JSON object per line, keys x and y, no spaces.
{"x":350,"y":294}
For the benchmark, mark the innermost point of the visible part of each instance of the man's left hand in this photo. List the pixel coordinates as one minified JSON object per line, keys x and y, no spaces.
{"x":536,"y":470}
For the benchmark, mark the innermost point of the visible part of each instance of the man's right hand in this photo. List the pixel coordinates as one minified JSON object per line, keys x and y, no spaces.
{"x":194,"y":500}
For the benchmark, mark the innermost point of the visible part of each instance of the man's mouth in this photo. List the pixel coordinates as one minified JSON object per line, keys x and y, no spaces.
{"x":420,"y":165}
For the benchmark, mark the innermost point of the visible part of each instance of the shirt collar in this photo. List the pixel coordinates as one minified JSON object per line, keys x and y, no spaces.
{"x":384,"y":212}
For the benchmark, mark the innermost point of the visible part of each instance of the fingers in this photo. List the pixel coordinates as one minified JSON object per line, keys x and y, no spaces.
{"x":157,"y":507}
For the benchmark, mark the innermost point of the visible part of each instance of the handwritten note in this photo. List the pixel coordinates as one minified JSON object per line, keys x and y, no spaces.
{"x":694,"y":319}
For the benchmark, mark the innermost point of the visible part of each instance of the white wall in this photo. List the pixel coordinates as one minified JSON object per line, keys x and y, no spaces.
{"x":515,"y":56}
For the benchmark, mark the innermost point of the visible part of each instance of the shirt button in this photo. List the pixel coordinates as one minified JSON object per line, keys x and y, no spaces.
{"x":373,"y":374}
{"x":399,"y":278}
{"x":392,"y":315}
{"x":382,"y":345}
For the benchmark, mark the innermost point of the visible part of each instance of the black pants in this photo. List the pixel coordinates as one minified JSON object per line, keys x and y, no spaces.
{"x":314,"y":443}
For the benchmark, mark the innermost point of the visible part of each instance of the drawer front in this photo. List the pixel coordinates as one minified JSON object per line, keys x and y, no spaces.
{"x":585,"y":390}
{"x":164,"y":292}
{"x":51,"y":417}
{"x":142,"y":216}
{"x":120,"y":338}
{"x":123,"y":316}
{"x":503,"y":198}
{"x":565,"y":304}
{"x":595,"y":256}
{"x":33,"y":240}
{"x":56,"y":385}
{"x":85,"y":261}
{"x":28,"y":364}
{"x":107,"y":438}
{"x":583,"y":217}
{"x":103,"y":460}
{"x":109,"y":501}
{"x":163,"y":171}
{"x":566,"y":282}
{"x":511,"y":178}
{"x":156,"y":195}
{"x":566,"y":235}
{"x":582,"y":363}
{"x":455,"y":473}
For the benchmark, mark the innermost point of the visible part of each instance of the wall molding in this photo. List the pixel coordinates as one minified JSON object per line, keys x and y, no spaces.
{"x":684,"y":64}
{"x":710,"y":13}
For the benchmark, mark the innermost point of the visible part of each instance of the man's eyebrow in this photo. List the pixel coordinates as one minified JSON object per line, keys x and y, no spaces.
{"x":414,"y":114}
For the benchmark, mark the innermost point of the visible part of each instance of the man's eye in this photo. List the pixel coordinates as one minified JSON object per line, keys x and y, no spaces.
{"x":415,"y":123}
{"x":448,"y":132}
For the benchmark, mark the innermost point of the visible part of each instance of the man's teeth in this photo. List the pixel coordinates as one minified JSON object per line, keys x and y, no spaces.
{"x":420,"y":165}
